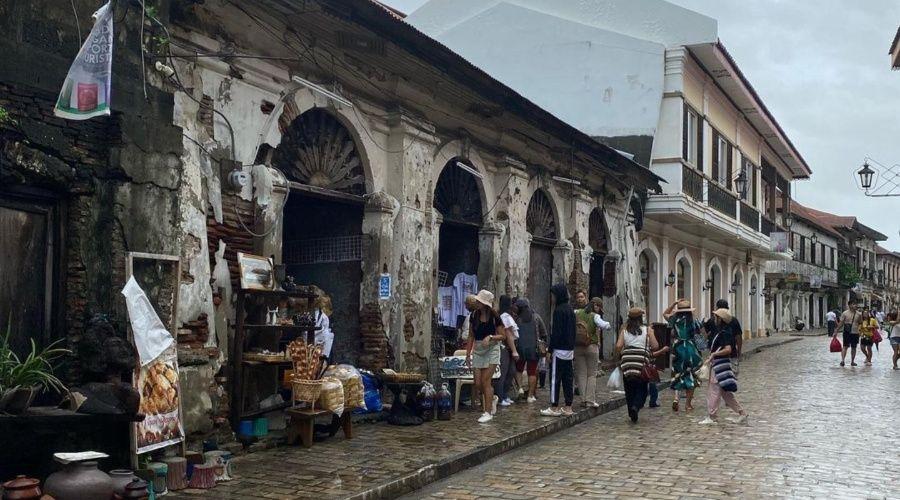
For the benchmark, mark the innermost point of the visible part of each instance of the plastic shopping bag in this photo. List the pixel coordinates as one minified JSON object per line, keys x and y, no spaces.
{"x":835,"y":345}
{"x":615,"y":381}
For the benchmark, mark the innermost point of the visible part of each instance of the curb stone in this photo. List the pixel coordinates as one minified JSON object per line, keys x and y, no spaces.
{"x":445,"y":468}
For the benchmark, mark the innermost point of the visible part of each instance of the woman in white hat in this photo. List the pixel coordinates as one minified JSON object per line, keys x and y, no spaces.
{"x":483,"y":350}
{"x":686,"y":354}
{"x":722,"y":382}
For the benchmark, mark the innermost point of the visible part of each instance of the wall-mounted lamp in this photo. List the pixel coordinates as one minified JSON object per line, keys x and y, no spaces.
{"x":753,"y":290}
{"x":469,"y":169}
{"x":670,"y":280}
{"x":708,"y":285}
{"x":566,"y":180}
{"x":321,"y":90}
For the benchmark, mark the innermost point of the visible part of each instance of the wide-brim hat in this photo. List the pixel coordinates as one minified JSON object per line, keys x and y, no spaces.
{"x":683,"y":306}
{"x":485,"y":297}
{"x":635,"y":312}
{"x":724,"y":315}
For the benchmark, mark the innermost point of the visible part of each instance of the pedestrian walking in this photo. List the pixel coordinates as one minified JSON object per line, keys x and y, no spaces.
{"x":508,"y":353}
{"x":831,"y":321}
{"x":589,"y":325}
{"x":686,"y":358}
{"x":635,"y":344}
{"x":893,"y":321}
{"x":712,"y":328}
{"x":483,"y":350}
{"x":867,"y":328}
{"x":849,"y":327}
{"x":561,"y":351}
{"x":531,"y":332}
{"x":722,"y":380}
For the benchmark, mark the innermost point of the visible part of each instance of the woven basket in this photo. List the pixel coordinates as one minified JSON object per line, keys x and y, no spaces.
{"x":403,"y":378}
{"x":307,"y":391}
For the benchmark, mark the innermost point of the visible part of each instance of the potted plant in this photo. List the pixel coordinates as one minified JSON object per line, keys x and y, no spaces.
{"x":22,"y":379}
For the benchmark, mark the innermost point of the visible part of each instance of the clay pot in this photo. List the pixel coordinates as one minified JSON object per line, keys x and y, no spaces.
{"x":22,"y":488}
{"x":16,"y":401}
{"x":79,"y":481}
{"x":120,"y":479}
{"x":135,"y":490}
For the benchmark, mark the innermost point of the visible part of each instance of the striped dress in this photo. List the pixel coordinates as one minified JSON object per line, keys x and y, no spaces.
{"x":634,"y":355}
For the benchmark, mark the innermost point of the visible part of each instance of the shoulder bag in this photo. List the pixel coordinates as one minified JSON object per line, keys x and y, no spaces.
{"x":649,"y":373}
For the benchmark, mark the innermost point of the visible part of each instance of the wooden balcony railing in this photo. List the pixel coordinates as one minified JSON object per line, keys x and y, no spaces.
{"x":767,"y":227}
{"x":749,"y":216}
{"x":692,"y":183}
{"x":722,"y":201}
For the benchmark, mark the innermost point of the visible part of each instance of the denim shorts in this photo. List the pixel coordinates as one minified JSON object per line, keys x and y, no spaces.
{"x":895,"y":340}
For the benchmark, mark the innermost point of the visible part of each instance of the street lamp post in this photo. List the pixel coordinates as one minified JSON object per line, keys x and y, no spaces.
{"x":880,"y":181}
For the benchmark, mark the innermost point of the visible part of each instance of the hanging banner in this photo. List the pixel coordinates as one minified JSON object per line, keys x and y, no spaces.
{"x":779,"y":241}
{"x":160,"y":403}
{"x":85,"y":92}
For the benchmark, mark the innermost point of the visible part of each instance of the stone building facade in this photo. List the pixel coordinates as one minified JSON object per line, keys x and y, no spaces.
{"x":409,"y":159}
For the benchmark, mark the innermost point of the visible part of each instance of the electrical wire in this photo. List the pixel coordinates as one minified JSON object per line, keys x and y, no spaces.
{"x":77,"y":23}
{"x":499,"y":196}
{"x":141,"y":42}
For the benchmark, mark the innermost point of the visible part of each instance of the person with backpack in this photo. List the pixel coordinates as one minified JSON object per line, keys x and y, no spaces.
{"x":531,"y":332}
{"x":712,"y":328}
{"x":635,"y":345}
{"x":561,"y":351}
{"x":588,"y":327}
{"x":722,"y":381}
{"x":849,"y":327}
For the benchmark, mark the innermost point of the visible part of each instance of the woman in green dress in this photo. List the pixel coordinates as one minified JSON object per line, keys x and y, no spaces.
{"x":686,"y":360}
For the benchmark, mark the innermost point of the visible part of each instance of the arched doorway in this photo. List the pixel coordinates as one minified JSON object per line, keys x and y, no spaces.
{"x":601,"y":272}
{"x":715,"y":291}
{"x":754,"y":306}
{"x":457,"y":198}
{"x":322,"y":237}
{"x":683,"y":278}
{"x":649,"y":273}
{"x":540,"y":222}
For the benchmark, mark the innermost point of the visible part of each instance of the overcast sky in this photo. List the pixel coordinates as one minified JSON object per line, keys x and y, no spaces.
{"x":821,"y":67}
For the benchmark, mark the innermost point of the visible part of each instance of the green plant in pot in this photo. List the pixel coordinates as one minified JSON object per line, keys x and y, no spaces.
{"x":21,"y":379}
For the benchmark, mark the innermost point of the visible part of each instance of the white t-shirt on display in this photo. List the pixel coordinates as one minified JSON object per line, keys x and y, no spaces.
{"x":464,"y":284}
{"x":324,"y":335}
{"x":510,"y":324}
{"x":446,"y":306}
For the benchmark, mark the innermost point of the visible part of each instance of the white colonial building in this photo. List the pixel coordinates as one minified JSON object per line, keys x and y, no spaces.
{"x":651,"y":78}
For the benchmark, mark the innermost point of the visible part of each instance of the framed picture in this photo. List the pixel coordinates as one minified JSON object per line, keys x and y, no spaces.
{"x":257,"y":273}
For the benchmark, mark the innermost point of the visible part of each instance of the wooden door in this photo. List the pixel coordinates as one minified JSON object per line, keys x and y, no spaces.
{"x":540,"y":279}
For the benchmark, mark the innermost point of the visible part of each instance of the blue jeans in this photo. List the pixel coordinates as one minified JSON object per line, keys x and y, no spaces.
{"x":654,"y":394}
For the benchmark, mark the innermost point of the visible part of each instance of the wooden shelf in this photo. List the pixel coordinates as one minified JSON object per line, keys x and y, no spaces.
{"x":279,"y":293}
{"x":279,"y":327}
{"x":254,"y":362}
{"x":263,"y":411}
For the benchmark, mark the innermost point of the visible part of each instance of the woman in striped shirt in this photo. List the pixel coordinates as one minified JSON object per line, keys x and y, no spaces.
{"x":635,"y":343}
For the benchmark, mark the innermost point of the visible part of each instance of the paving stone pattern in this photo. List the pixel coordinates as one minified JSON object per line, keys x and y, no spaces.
{"x":816,"y":431}
{"x":381,"y":453}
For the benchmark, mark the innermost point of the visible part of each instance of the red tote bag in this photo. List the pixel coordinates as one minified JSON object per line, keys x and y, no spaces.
{"x":835,"y":345}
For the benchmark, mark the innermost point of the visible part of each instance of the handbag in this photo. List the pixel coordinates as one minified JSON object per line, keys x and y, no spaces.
{"x":649,"y":373}
{"x":703,"y":372}
{"x":835,"y":345}
{"x":877,"y":337}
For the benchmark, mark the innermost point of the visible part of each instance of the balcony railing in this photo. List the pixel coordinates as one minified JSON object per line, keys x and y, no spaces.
{"x":767,"y":227}
{"x":749,"y":216}
{"x":801,"y":269}
{"x":722,"y":201}
{"x":692,"y":183}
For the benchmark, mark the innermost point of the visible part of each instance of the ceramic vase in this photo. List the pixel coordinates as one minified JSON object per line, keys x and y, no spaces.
{"x":79,"y":481}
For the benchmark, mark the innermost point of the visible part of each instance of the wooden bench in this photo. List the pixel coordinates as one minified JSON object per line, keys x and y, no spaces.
{"x":302,"y":425}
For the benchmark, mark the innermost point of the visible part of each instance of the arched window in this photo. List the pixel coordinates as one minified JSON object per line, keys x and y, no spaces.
{"x":683,"y":279}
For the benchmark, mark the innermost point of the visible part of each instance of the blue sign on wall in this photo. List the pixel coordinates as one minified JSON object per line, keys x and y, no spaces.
{"x":384,"y":286}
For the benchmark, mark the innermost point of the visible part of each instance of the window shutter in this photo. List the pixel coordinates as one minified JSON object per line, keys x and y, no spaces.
{"x":700,"y":128}
{"x":715,"y":155}
{"x":730,"y":171}
{"x":685,"y":133}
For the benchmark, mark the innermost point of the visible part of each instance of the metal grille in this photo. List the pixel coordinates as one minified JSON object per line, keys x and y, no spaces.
{"x":323,"y":250}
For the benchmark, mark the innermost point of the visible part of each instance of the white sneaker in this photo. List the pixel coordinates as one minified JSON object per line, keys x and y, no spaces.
{"x":485,"y":417}
{"x":532,"y":399}
{"x":708,"y":421}
{"x":740,"y":419}
{"x":551,"y":412}
{"x":506,"y":402}
{"x":494,"y":405}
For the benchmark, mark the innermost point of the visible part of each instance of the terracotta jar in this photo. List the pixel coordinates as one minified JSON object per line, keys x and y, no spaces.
{"x":22,"y":488}
{"x":121,"y":478}
{"x":79,"y":481}
{"x":135,"y":490}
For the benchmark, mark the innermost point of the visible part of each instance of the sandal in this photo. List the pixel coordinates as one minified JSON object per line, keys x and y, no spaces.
{"x":675,"y":405}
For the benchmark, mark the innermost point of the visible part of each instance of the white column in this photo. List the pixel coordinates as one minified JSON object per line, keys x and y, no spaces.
{"x":664,"y":274}
{"x":704,"y":294}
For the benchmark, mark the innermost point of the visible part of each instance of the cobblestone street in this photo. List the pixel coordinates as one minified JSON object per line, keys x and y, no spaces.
{"x":815,"y":430}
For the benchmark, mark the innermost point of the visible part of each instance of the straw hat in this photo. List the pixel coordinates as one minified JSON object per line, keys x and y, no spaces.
{"x":635,"y":312}
{"x":683,"y":306}
{"x":724,"y":315}
{"x":485,"y":297}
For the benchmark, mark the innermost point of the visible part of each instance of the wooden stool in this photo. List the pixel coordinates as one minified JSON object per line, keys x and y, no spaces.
{"x":303,"y":421}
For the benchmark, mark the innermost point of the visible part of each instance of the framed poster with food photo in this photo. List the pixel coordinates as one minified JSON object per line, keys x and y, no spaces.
{"x":257,"y":273}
